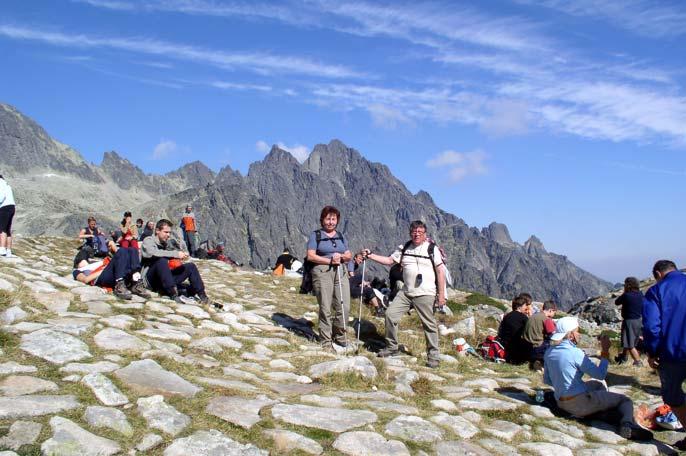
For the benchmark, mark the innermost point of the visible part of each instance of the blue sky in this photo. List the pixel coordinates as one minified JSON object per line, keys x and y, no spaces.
{"x":566,"y":120}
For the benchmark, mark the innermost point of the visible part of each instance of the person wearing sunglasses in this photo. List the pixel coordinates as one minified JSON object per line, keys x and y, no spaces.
{"x":329,"y":252}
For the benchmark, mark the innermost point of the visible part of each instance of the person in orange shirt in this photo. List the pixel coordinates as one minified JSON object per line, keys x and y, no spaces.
{"x":190,"y":230}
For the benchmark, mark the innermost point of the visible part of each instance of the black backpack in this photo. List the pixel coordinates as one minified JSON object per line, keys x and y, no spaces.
{"x":306,"y":283}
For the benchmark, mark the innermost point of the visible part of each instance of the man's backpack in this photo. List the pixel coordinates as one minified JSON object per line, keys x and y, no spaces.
{"x":98,"y":242}
{"x":492,"y":350}
{"x":306,"y":283}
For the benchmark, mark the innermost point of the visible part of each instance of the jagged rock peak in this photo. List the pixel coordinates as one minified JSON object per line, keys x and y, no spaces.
{"x":334,"y":156}
{"x":196,"y":174}
{"x":534,"y":246}
{"x":122,"y":171}
{"x":424,"y":198}
{"x":499,"y":233}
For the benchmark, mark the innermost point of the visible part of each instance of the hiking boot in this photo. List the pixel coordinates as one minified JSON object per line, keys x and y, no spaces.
{"x":204,"y":299}
{"x":433,"y":363}
{"x":181,"y":299}
{"x":633,"y":432}
{"x":139,"y":290}
{"x":121,"y":292}
{"x":328,"y":348}
{"x":680,"y":445}
{"x":638,"y":363}
{"x":386,"y":352}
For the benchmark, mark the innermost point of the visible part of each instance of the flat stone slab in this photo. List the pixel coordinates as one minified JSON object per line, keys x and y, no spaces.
{"x":55,"y":302}
{"x":21,"y":433}
{"x":211,"y":443}
{"x":238,"y":410}
{"x":192,"y":311}
{"x":364,"y":443}
{"x":357,"y":364}
{"x":455,"y":448}
{"x":291,"y":389}
{"x":54,"y":346}
{"x":559,"y":438}
{"x":15,"y":368}
{"x":147,"y":377}
{"x":330,"y":419}
{"x":73,"y":326}
{"x":165,"y":334}
{"x":104,"y":389}
{"x":108,"y":417}
{"x":546,"y":449}
{"x":161,"y":415}
{"x":504,"y":430}
{"x":12,"y":314}
{"x":413,"y":428}
{"x":228,"y":384}
{"x":19,"y":385}
{"x":486,"y":403}
{"x":285,"y":441}
{"x":118,"y":340}
{"x":70,"y":439}
{"x":322,"y":401}
{"x":35,"y":405}
{"x":459,"y":425}
{"x":119,"y":321}
{"x":215,"y":344}
{"x":392,"y":407}
{"x":90,"y":368}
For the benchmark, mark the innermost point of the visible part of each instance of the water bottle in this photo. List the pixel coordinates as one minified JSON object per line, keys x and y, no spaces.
{"x":539,"y":396}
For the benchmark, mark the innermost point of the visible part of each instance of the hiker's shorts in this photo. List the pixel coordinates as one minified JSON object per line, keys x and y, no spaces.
{"x":631,"y":331}
{"x":6,"y":216}
{"x":672,"y":375}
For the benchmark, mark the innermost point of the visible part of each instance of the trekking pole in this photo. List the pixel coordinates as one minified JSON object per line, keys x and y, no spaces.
{"x":359,"y":314}
{"x":345,"y":318}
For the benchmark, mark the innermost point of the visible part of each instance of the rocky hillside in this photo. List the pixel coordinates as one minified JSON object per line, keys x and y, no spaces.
{"x":82,"y":372}
{"x":276,"y":205}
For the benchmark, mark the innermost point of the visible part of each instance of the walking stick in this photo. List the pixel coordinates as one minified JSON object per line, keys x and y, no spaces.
{"x":359,"y":314}
{"x":345,"y":318}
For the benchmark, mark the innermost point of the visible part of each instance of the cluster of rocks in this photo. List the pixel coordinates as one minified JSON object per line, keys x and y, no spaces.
{"x":88,"y":374}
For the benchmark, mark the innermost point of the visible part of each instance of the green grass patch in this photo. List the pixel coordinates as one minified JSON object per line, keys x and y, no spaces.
{"x":475,"y":299}
{"x":513,"y":416}
{"x":5,"y":299}
{"x":612,"y":334}
{"x":456,"y":307}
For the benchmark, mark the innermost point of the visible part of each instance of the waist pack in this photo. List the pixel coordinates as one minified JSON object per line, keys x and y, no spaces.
{"x":491,"y":350}
{"x":175,"y":263}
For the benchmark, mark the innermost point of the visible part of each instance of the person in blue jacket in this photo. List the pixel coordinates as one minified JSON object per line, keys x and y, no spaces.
{"x":664,"y":335}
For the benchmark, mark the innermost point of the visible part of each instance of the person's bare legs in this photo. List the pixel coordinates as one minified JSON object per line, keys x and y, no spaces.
{"x":634,"y":354}
{"x":3,"y":240}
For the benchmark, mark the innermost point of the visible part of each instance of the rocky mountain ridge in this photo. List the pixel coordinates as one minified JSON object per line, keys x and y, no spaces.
{"x":276,"y":204}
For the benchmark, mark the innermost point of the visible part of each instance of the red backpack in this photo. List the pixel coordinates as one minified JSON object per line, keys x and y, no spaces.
{"x":492,"y":350}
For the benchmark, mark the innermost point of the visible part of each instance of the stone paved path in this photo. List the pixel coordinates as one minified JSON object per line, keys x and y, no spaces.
{"x":84,"y":373}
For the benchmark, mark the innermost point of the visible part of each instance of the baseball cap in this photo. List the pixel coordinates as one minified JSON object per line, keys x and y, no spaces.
{"x":563,"y":326}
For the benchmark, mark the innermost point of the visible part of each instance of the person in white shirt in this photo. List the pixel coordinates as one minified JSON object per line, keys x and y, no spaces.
{"x":424,"y":286}
{"x":7,"y":207}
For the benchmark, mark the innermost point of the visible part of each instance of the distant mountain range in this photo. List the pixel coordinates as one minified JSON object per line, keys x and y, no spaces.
{"x":275,"y":205}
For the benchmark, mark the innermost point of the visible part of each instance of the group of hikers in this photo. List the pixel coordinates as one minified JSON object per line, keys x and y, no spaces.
{"x":547,"y":344}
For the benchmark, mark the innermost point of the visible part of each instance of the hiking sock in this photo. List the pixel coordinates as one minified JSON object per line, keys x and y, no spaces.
{"x":136,"y":276}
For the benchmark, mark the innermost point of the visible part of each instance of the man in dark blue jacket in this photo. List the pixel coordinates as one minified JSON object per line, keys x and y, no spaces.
{"x":664,"y":330}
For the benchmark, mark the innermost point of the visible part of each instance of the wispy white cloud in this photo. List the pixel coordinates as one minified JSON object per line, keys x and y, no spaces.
{"x":262,"y":146}
{"x":165,"y":148}
{"x":225,"y":85}
{"x":256,"y":62}
{"x":645,"y":17}
{"x":387,"y":117}
{"x":458,"y":165}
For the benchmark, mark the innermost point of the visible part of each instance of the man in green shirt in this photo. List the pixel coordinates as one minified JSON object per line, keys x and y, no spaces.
{"x":537,"y":332}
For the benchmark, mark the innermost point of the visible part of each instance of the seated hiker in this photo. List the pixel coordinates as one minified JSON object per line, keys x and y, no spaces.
{"x":94,"y":238}
{"x":129,"y":232}
{"x":537,"y":331}
{"x":149,"y":230}
{"x":511,"y":330}
{"x":165,"y":276}
{"x":123,"y":268}
{"x":359,"y":288}
{"x":566,"y":364}
{"x":285,"y":259}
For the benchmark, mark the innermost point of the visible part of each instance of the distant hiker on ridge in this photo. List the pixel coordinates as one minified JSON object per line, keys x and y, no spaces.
{"x":424,"y":284}
{"x":632,"y":311}
{"x":7,"y":208}
{"x":189,"y":225}
{"x":329,"y":252}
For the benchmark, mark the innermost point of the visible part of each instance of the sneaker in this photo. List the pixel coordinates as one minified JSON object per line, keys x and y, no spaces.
{"x":386,"y":352}
{"x":121,"y":292}
{"x":638,"y":363}
{"x":433,"y":363}
{"x":181,"y":299}
{"x":204,"y":299}
{"x":328,"y":348}
{"x":634,"y":432}
{"x":341,"y":343}
{"x":139,"y":290}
